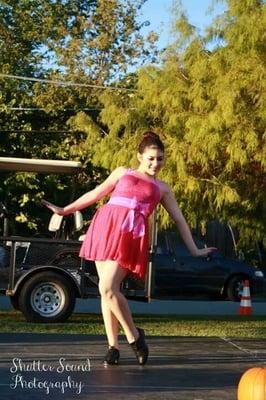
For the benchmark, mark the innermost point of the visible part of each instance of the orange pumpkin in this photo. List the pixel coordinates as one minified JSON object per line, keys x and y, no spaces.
{"x":252,"y":385}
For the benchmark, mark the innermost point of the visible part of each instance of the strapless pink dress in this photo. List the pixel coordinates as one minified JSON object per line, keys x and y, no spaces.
{"x":119,"y":230}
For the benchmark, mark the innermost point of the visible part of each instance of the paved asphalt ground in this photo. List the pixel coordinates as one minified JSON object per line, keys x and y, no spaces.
{"x":70,"y":367}
{"x":180,"y":368}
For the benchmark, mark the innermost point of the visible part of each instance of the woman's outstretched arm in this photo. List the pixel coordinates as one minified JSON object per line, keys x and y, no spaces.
{"x":169,"y":203}
{"x":90,"y":197}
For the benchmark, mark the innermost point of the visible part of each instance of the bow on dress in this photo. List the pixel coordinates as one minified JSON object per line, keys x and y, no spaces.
{"x":135,"y":219}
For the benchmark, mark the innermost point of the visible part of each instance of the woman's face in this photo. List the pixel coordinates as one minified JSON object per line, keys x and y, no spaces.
{"x":151,"y":161}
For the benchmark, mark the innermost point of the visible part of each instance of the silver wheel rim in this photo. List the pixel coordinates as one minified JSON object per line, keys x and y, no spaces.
{"x":48,"y":299}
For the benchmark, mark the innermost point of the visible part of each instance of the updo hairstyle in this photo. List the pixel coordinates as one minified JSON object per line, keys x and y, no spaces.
{"x":152,"y":140}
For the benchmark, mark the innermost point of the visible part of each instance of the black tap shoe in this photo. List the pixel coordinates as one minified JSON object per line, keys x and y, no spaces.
{"x":140,"y":348}
{"x":112,"y":356}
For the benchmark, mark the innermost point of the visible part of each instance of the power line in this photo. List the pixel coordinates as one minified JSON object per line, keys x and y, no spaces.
{"x":64,"y":83}
{"x":40,"y":131}
{"x":44,"y":109}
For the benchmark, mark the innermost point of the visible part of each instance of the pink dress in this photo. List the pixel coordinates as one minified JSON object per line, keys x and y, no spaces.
{"x":119,"y":230}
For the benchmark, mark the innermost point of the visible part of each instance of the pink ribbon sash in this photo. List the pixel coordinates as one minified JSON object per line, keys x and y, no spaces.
{"x":135,"y":219}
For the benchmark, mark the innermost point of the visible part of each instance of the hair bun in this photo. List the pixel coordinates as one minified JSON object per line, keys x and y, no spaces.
{"x":150,"y":139}
{"x":151,"y":135}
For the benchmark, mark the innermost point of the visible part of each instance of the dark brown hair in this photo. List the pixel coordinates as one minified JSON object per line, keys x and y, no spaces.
{"x":150,"y":139}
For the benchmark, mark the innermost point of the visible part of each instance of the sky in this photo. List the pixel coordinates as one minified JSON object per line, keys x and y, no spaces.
{"x":158,"y":12}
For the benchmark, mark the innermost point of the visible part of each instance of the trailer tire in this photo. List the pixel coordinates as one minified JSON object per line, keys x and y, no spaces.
{"x":47,"y":297}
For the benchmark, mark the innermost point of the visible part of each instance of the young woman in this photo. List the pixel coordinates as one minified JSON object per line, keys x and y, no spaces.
{"x":117,"y":239}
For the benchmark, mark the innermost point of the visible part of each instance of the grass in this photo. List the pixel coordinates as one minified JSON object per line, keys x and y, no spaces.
{"x":154,"y":325}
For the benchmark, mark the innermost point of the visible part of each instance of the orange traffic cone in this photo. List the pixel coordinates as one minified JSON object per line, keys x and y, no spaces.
{"x":245,"y":304}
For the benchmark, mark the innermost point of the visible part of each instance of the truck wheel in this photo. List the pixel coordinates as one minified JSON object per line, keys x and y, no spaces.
{"x":47,"y":297}
{"x":235,"y":288}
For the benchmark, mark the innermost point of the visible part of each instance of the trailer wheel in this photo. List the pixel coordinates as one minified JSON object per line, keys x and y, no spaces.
{"x":47,"y":297}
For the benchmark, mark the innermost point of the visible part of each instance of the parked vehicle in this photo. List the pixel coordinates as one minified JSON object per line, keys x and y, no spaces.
{"x":43,"y":277}
{"x":177,"y":272}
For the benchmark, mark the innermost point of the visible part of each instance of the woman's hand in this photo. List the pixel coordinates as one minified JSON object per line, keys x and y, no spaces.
{"x":205,"y":252}
{"x":54,"y":208}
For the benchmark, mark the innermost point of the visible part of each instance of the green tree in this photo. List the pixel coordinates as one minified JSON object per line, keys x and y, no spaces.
{"x":91,"y":43}
{"x":209,"y":106}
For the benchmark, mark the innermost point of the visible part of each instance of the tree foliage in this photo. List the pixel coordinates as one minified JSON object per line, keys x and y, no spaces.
{"x":206,"y":98}
{"x":90,"y":43}
{"x":208,"y":104}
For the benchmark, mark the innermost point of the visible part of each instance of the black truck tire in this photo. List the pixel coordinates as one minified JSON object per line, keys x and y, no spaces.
{"x":235,"y":287}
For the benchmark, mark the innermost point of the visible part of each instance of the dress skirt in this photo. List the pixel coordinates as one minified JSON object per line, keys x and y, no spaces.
{"x":106,"y":240}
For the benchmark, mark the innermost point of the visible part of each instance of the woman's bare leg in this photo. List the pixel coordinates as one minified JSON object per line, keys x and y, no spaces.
{"x":114,"y":304}
{"x":110,"y":320}
{"x":110,"y":323}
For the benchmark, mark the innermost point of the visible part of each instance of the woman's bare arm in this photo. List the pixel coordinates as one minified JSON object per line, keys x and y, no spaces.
{"x":169,"y":203}
{"x":90,"y":197}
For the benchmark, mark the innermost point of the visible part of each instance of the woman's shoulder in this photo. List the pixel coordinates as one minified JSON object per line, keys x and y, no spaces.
{"x":164,"y":187}
{"x":121,"y":169}
{"x":119,"y":172}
